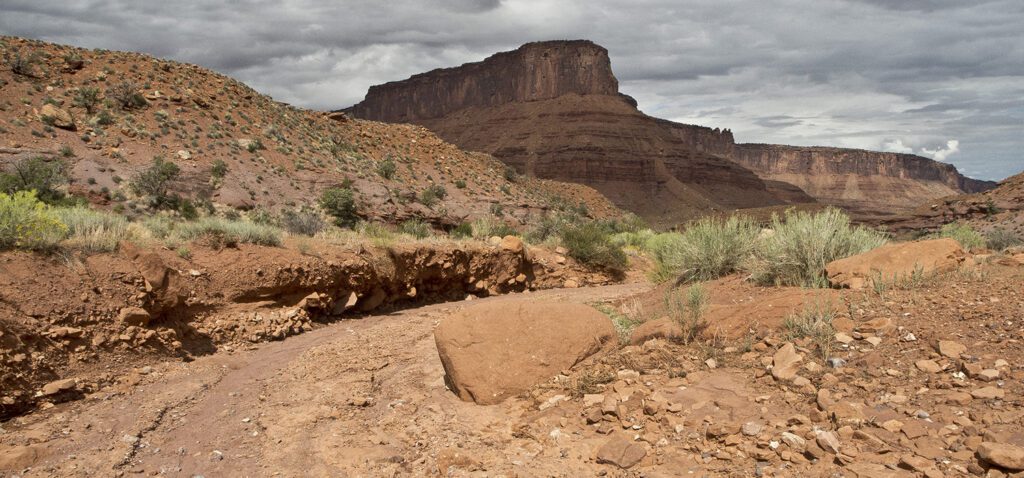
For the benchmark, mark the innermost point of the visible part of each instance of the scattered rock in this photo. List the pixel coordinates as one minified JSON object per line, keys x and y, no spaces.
{"x":134,"y":316}
{"x":786,"y":362}
{"x":57,"y":117}
{"x":1004,"y":455}
{"x":493,"y":350}
{"x":58,"y":386}
{"x":900,"y":259}
{"x":928,"y":366}
{"x":988,"y":393}
{"x":951,"y":349}
{"x":621,"y":452}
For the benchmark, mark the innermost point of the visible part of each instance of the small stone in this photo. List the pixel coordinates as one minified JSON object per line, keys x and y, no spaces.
{"x":836,"y":362}
{"x":928,"y":366}
{"x":828,"y":441}
{"x":58,"y":386}
{"x":843,"y":338}
{"x":988,"y":393}
{"x":184,"y":154}
{"x":1005,"y":455}
{"x":621,"y":453}
{"x":751,"y":429}
{"x":591,"y":399}
{"x":130,"y":439}
{"x":711,"y":363}
{"x":134,"y":316}
{"x":874,"y":341}
{"x":786,"y":362}
{"x":216,"y":455}
{"x":951,"y":349}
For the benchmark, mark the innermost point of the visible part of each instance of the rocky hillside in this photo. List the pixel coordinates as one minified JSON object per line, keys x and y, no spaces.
{"x":553,"y":110}
{"x":108,"y":114}
{"x":999,"y":208}
{"x":860,"y":180}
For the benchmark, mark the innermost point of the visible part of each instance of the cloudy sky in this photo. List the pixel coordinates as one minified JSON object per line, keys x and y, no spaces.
{"x":940,"y":78}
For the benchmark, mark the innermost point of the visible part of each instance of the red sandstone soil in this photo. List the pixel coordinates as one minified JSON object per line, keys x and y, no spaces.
{"x":367,"y":398}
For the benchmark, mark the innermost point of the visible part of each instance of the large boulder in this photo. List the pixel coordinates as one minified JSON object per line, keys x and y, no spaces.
{"x":896,"y":261}
{"x":57,"y":117}
{"x":494,"y":350}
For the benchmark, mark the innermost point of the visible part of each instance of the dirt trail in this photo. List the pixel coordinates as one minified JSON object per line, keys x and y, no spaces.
{"x":358,"y":398}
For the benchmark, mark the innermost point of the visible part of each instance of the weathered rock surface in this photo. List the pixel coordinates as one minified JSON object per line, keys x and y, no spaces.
{"x":492,"y":351}
{"x":553,"y":110}
{"x":869,"y":181}
{"x":897,"y":261}
{"x":1003,"y":455}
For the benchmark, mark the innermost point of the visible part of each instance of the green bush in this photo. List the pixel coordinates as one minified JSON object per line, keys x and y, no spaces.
{"x":92,"y":230}
{"x":159,"y":226}
{"x":340,"y":203}
{"x":155,"y":181}
{"x":415,"y":228}
{"x":304,"y":221}
{"x":22,"y":64}
{"x":462,"y":231}
{"x":800,"y":246}
{"x":222,"y":232}
{"x":387,"y":168}
{"x":488,"y":227}
{"x":688,"y":310}
{"x":964,"y":234}
{"x":708,"y":249}
{"x":28,"y":223}
{"x":219,"y":169}
{"x":126,"y":95}
{"x":590,"y":243}
{"x":37,"y":174}
{"x":87,"y":97}
{"x":815,"y":323}
{"x":432,"y":194}
{"x":1001,"y":239}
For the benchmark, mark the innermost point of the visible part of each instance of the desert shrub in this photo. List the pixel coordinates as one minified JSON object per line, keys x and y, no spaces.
{"x":154,"y":182}
{"x":635,"y":240}
{"x":260,"y":215}
{"x":625,"y":318}
{"x":126,"y":95}
{"x":800,"y":245}
{"x":462,"y":231}
{"x":187,"y":209}
{"x":219,"y":169}
{"x":303,"y":221}
{"x":432,"y":194}
{"x":21,"y":63}
{"x":219,"y":232}
{"x":510,"y":174}
{"x":340,"y":203}
{"x":387,"y":168}
{"x":665,"y":250}
{"x":590,"y":243}
{"x":813,"y":322}
{"x":550,"y":226}
{"x":159,"y":226}
{"x":91,"y":230}
{"x":87,"y":97}
{"x":687,"y":309}
{"x":628,"y":222}
{"x":37,"y":174}
{"x":964,"y":234}
{"x":460,"y":183}
{"x":707,"y":249}
{"x":1000,"y":239}
{"x":28,"y":223}
{"x":415,"y":228}
{"x":487,"y":227}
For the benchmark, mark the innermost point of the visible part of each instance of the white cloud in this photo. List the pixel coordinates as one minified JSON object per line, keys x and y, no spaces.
{"x":940,"y":154}
{"x":897,"y":146}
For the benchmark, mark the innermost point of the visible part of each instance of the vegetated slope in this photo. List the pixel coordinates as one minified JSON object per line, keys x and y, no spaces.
{"x":859,"y":180}
{"x":998,"y":208}
{"x":275,"y":155}
{"x":553,"y":110}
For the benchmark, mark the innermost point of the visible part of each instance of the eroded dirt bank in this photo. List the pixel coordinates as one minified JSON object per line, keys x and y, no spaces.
{"x":69,"y":326}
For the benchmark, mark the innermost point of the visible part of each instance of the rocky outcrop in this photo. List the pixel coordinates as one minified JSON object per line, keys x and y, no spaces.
{"x":896,"y":262}
{"x":553,"y":110}
{"x":857,"y":179}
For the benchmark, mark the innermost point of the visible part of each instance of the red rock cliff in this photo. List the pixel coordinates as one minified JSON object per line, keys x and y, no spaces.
{"x":553,"y":110}
{"x":858,"y":179}
{"x":534,"y":71}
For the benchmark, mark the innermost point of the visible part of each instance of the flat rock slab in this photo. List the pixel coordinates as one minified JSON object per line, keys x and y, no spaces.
{"x":896,"y":261}
{"x":494,"y":350}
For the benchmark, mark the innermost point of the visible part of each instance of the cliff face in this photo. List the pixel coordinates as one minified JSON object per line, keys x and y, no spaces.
{"x":871,"y":181}
{"x":553,"y":110}
{"x":535,"y":71}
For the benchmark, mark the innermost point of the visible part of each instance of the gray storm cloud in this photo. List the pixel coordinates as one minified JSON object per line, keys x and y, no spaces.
{"x":904,"y":75}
